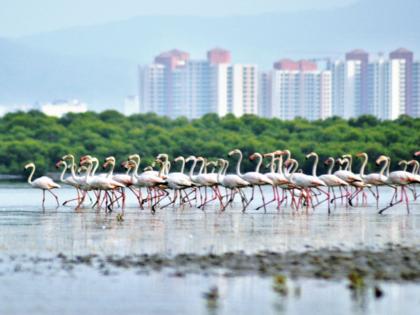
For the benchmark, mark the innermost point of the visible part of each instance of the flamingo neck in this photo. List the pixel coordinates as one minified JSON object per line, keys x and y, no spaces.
{"x":193,"y":167}
{"x":384,"y":166}
{"x":226,"y":167}
{"x":280,"y":167}
{"x":260,"y":160}
{"x":134,"y":172}
{"x":314,"y":167}
{"x":182,"y":165}
{"x":330,"y":169}
{"x":388,"y":166}
{"x":202,"y":167}
{"x":362,"y":168}
{"x":167,"y":167}
{"x":111,"y":169}
{"x":272,"y":163}
{"x":64,"y":171}
{"x":292,"y":169}
{"x":31,"y":174}
{"x":220,"y":172}
{"x":349,"y":164}
{"x":96,"y":166}
{"x":89,"y":170}
{"x":415,"y":167}
{"x":72,"y":167}
{"x":238,"y":164}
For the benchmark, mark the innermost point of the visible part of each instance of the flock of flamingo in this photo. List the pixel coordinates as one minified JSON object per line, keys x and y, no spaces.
{"x":152,"y":188}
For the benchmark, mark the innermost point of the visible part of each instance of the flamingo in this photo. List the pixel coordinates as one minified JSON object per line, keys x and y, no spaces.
{"x":374,"y":179}
{"x":253,"y":178}
{"x":207,"y":180}
{"x":233,"y":182}
{"x":277,"y":178}
{"x":332,"y":180}
{"x":100,"y":182}
{"x":328,"y":180}
{"x":44,"y":182}
{"x":303,"y":181}
{"x":397,"y":179}
{"x":69,"y":180}
{"x":176,"y":181}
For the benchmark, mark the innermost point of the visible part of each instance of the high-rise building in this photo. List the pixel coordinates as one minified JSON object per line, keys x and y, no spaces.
{"x":177,"y":86}
{"x":387,"y":88}
{"x":405,"y":57}
{"x":219,"y":56}
{"x":360,"y":59}
{"x":416,"y":89}
{"x":264,"y":94}
{"x":378,"y":82}
{"x":298,"y":89}
{"x":346,"y":88}
{"x":153,"y":89}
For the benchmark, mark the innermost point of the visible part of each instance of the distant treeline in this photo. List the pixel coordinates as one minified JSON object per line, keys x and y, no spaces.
{"x":36,"y":137}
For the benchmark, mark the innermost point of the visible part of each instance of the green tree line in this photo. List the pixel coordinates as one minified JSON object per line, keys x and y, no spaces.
{"x":36,"y":137}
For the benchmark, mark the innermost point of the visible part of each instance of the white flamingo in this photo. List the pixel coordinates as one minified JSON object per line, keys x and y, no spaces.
{"x":397,"y":179}
{"x":253,"y":178}
{"x":44,"y":182}
{"x":233,"y":182}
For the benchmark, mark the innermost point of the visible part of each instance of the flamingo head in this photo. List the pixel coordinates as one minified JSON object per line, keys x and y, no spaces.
{"x":271,"y":154}
{"x":310,"y":155}
{"x":404,"y":162}
{"x":190,"y":158}
{"x":179,"y":158}
{"x":329,"y":161}
{"x":109,"y":160}
{"x":135,"y":157}
{"x":236,"y":151}
{"x":214,"y":163}
{"x":125,"y":164}
{"x":81,"y":169}
{"x":288,"y":162}
{"x":221,"y":162}
{"x":380,"y":159}
{"x":361,"y":154}
{"x":68,"y":156}
{"x":252,"y":157}
{"x":416,"y":154}
{"x":29,"y":165}
{"x":162,"y":157}
{"x":347,"y":156}
{"x":59,"y":163}
{"x":85,"y":158}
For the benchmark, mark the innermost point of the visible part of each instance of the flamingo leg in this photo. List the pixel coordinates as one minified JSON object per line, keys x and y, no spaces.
{"x":55,"y":196}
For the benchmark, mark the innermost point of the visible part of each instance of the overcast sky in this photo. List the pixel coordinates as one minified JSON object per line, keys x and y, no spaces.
{"x":22,"y":17}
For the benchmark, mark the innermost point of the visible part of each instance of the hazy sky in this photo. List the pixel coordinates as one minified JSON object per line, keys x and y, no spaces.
{"x":20,"y":17}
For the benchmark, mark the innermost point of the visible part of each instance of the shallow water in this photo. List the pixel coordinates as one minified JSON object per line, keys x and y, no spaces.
{"x":27,"y":229}
{"x":160,"y":293}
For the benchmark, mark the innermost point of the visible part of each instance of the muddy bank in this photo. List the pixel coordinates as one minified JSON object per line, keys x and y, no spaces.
{"x":396,"y":263}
